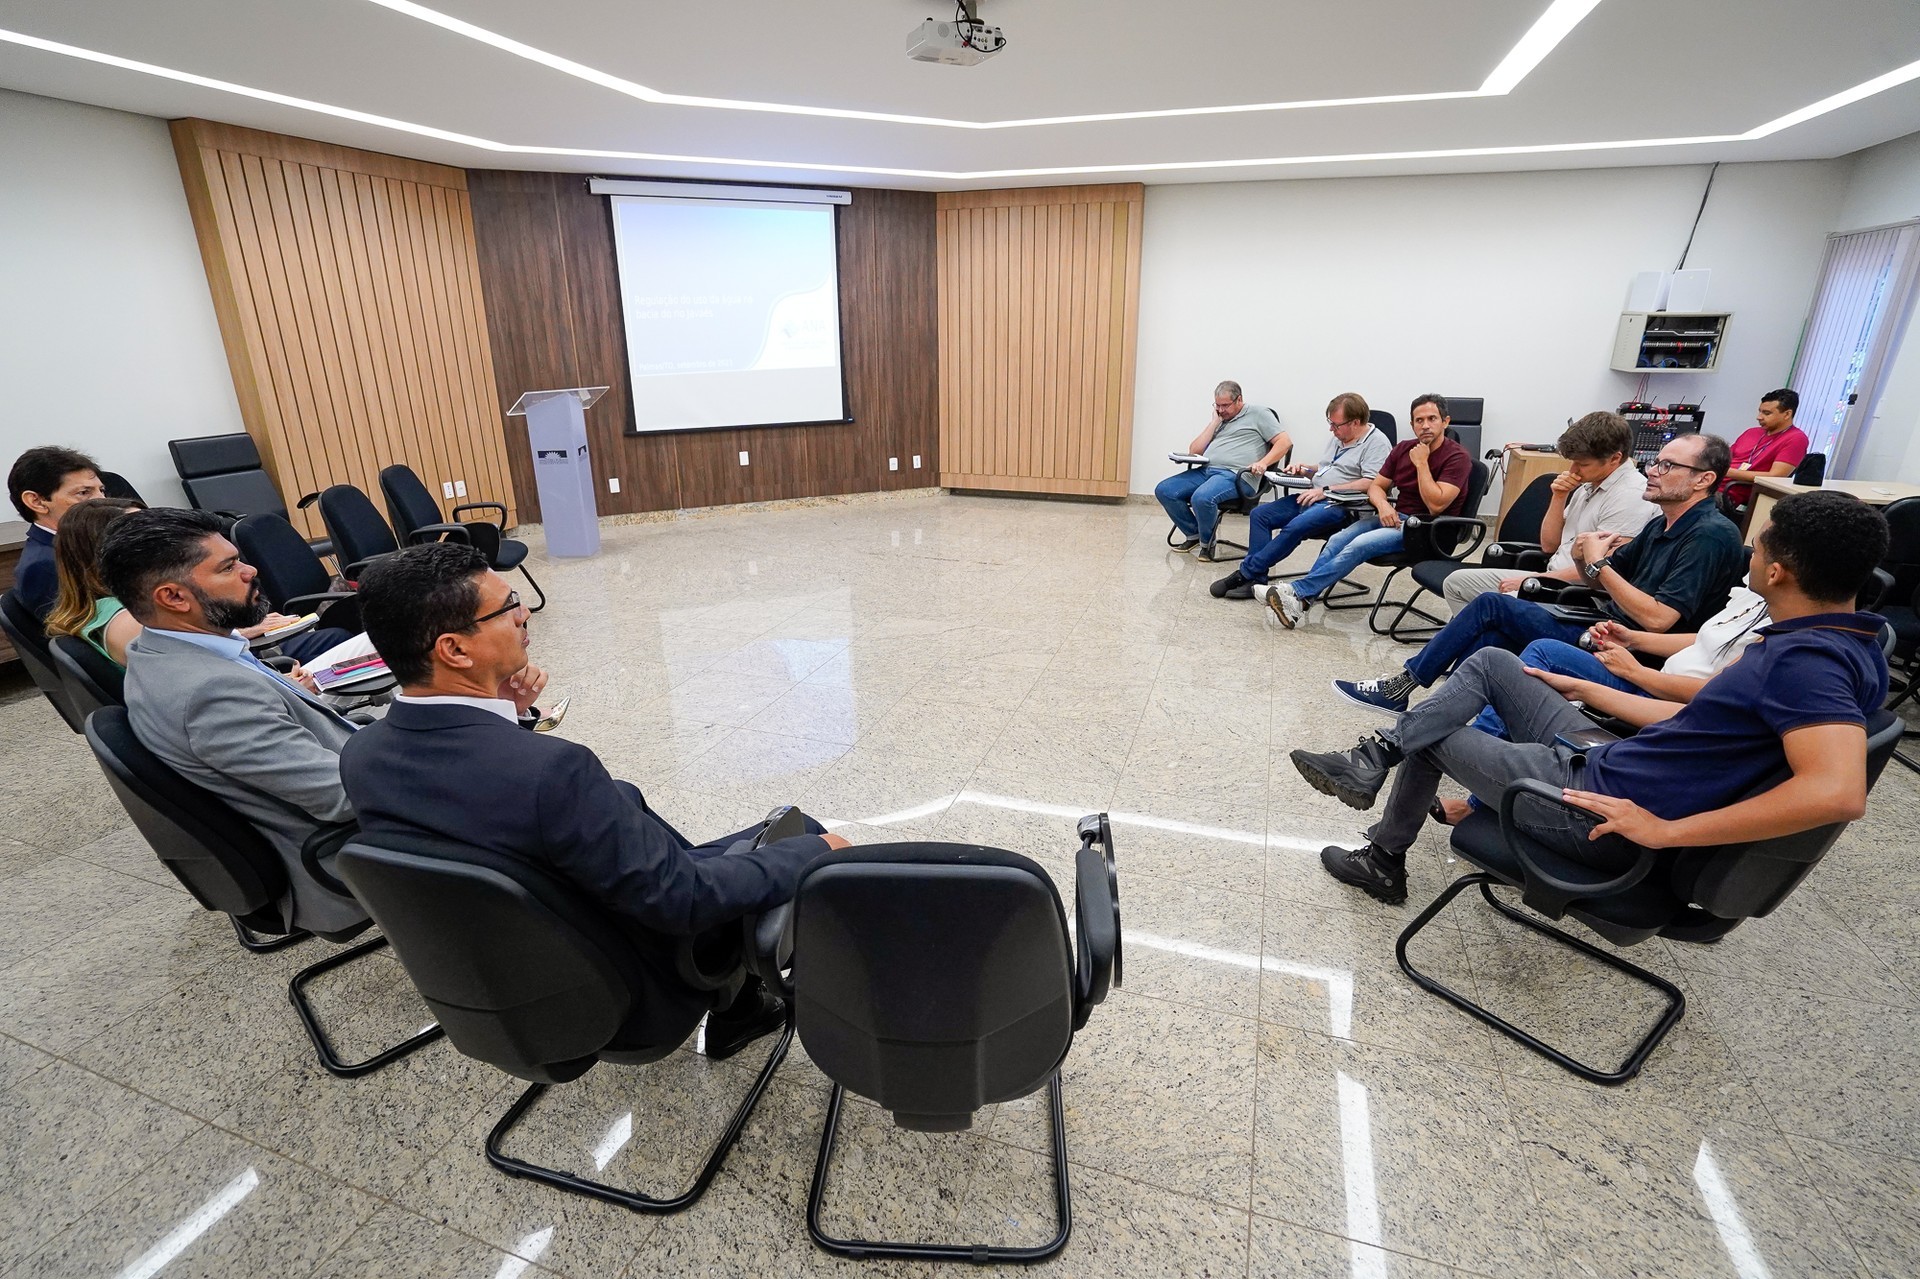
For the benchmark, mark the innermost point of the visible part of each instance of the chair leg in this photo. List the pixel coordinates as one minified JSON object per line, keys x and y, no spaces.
{"x":297,"y":992}
{"x":536,"y":589}
{"x":261,"y":945}
{"x":980,"y":1254}
{"x":1676,"y":1001}
{"x":633,"y":1199}
{"x":1406,"y":634}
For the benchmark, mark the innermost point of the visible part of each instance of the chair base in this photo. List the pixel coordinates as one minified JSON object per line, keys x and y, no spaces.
{"x":633,"y":1199}
{"x":1395,"y":629}
{"x":1676,"y":1001}
{"x":1341,"y":595}
{"x":259,"y":945}
{"x":296,"y":991}
{"x":979,"y":1254}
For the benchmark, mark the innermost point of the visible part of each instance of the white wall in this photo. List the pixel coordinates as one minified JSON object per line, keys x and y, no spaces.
{"x":1506,"y":286}
{"x":108,"y":341}
{"x":1885,"y":186}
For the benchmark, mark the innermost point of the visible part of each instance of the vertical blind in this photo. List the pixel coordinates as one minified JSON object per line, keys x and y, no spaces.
{"x":1864,"y":283}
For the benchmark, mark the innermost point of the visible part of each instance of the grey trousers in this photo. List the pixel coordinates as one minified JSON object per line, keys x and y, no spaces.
{"x":1469,"y":582}
{"x":1435,"y":739}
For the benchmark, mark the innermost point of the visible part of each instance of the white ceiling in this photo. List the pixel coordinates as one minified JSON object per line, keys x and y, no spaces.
{"x":1636,"y":71}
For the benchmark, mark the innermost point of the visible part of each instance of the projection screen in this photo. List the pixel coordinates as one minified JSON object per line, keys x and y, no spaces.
{"x":732,"y":312}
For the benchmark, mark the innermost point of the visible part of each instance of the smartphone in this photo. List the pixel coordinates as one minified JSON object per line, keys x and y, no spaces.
{"x":1582,"y":740}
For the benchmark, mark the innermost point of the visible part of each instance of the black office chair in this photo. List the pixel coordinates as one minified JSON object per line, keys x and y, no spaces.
{"x":1238,"y":504}
{"x":533,"y":976}
{"x":939,"y":978}
{"x":1388,"y":424}
{"x":1426,"y":538}
{"x":291,"y":576}
{"x":416,"y":518}
{"x":1812,"y":470}
{"x":228,"y":866}
{"x":29,"y":640}
{"x":1517,"y":549}
{"x":115,"y":485}
{"x":92,"y":679}
{"x":1695,"y":895}
{"x":354,"y":526}
{"x":223,"y":473}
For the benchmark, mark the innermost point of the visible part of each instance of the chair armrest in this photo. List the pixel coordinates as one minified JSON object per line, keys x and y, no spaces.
{"x":1096,"y":905}
{"x":280,"y":662}
{"x":351,"y":572}
{"x":316,"y":855}
{"x":484,"y":506}
{"x":1464,"y":522}
{"x":329,"y":605}
{"x":1543,"y":885}
{"x":766,"y":939}
{"x":1517,"y":555}
{"x":438,"y":533}
{"x":298,"y":603}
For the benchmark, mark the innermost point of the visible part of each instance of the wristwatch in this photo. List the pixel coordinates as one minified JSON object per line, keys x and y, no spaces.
{"x":1592,"y":571}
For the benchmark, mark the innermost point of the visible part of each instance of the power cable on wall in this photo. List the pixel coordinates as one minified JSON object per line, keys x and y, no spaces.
{"x":1681,"y":265}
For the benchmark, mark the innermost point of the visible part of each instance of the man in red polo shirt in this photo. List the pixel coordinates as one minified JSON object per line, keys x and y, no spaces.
{"x":1774,"y":447}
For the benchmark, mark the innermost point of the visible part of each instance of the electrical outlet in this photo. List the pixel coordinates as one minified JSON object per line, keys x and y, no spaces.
{"x":893,"y":464}
{"x":613,"y":484}
{"x":916,"y":461}
{"x":743,"y":457}
{"x":446,"y":490}
{"x":460,"y":486}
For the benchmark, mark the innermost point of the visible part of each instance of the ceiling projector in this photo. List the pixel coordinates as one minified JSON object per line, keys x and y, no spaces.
{"x":960,"y":43}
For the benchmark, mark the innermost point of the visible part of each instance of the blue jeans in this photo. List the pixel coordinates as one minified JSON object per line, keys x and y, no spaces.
{"x":1193,"y":497}
{"x":1279,"y":528}
{"x":1345,"y":551}
{"x":1559,"y":658}
{"x":1492,"y":620}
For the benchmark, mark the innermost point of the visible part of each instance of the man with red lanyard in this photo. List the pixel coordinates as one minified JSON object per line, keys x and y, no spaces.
{"x":1774,"y":447}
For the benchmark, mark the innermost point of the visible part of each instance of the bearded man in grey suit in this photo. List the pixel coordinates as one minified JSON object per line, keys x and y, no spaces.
{"x":264,"y":742}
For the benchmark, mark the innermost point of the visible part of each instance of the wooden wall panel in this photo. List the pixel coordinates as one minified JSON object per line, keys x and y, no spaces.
{"x":1039,"y":316}
{"x":348,"y":292}
{"x":552,"y":298}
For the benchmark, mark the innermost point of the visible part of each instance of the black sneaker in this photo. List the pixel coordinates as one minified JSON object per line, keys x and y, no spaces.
{"x":729,"y":1034}
{"x":1207,"y":553}
{"x":1383,"y":878}
{"x":1353,"y":777}
{"x":1185,"y":544}
{"x":1224,"y":588}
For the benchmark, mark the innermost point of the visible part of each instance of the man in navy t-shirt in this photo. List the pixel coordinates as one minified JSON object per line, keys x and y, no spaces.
{"x":1772,"y":745}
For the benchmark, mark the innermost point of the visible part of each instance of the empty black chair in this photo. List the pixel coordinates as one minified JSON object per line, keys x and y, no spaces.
{"x":116,"y":485}
{"x":1517,"y":549}
{"x":416,"y":518}
{"x":291,"y":576}
{"x":1388,"y":424}
{"x":1694,"y":895}
{"x":29,"y":640}
{"x":223,"y":473}
{"x":92,"y":679}
{"x":939,"y":978}
{"x":354,"y":526}
{"x":228,"y":866}
{"x":1812,"y":470}
{"x":531,"y":975}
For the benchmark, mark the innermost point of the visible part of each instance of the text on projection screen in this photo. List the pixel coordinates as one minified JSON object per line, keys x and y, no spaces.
{"x":732,"y":312}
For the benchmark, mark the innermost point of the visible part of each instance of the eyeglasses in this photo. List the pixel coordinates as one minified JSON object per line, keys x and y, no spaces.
{"x":512,"y":605}
{"x":1660,"y":466}
{"x":1337,"y":425}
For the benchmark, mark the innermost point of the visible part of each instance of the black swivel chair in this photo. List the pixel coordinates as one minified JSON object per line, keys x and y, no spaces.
{"x":1518,"y":549}
{"x":939,"y":978}
{"x":531,"y":975}
{"x":1235,"y":505}
{"x":92,"y":679}
{"x":291,"y":576}
{"x":223,"y":473}
{"x":29,"y":639}
{"x":416,"y":518}
{"x":228,"y":866}
{"x":1694,"y":895}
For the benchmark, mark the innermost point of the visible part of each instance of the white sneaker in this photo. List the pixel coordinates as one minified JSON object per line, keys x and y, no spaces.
{"x":1285,"y":604}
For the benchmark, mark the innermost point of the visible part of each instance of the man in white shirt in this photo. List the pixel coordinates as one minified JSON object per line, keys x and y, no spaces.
{"x":1601,"y":491}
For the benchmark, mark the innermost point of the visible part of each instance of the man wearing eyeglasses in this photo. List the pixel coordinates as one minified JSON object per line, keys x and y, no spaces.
{"x":454,"y":636}
{"x":1673,"y":575}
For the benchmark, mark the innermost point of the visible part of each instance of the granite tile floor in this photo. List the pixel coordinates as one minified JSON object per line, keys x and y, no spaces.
{"x":1267,"y":1095}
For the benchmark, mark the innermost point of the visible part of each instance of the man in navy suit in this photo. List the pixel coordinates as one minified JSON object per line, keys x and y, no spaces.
{"x":42,"y":484}
{"x":454,"y":634}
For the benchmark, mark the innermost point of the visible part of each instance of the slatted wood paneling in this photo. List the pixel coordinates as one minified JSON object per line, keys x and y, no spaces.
{"x":1039,"y":315}
{"x":348,"y":294}
{"x":553,"y":310}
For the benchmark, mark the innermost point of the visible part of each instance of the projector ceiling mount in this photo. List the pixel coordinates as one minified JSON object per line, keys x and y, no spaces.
{"x":960,"y":43}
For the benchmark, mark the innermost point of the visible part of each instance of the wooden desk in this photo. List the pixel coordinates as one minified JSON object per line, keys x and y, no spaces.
{"x":1524,"y":466}
{"x":1771,"y":489}
{"x":13,"y":538}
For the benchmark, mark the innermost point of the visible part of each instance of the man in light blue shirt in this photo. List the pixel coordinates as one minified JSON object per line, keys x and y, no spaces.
{"x":1239,"y":441}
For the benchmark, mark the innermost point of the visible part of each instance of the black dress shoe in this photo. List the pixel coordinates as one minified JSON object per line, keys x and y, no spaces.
{"x":1224,"y":588}
{"x":728,"y":1033}
{"x":1244,"y":591}
{"x":1207,"y":552}
{"x":1384,"y":878}
{"x":1353,"y":777}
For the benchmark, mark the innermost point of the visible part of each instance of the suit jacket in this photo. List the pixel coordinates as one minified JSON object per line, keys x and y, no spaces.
{"x":36,"y":578}
{"x":466,"y":774}
{"x":262,"y":745}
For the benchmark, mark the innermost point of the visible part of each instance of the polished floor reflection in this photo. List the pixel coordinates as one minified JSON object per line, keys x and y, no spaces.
{"x":1266,"y":1096}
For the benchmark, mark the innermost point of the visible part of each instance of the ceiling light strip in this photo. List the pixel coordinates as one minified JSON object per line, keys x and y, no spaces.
{"x":1847,"y":97}
{"x":1553,"y":26}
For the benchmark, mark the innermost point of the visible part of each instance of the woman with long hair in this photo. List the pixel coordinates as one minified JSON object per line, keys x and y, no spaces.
{"x":85,"y":608}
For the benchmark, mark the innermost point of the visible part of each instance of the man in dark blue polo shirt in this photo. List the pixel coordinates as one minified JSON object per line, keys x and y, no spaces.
{"x":42,"y":484}
{"x":1674,"y":575}
{"x":1794,"y":705}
